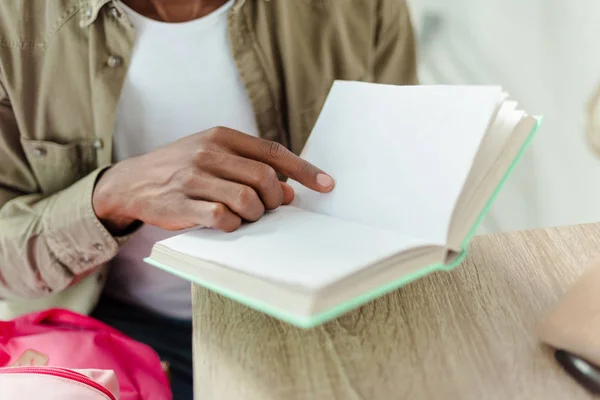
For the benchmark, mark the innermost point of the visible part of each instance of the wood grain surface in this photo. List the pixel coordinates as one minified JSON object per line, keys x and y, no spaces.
{"x":464,"y":334}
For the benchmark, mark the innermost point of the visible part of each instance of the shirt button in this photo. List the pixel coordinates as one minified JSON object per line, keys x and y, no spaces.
{"x":39,"y":152}
{"x":88,"y":13}
{"x":114,"y":61}
{"x":85,"y":259}
{"x":98,"y":144}
{"x":98,"y":246}
{"x":114,"y":12}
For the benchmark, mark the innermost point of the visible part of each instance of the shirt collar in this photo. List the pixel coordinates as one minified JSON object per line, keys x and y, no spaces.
{"x":89,"y":11}
{"x":91,"y":8}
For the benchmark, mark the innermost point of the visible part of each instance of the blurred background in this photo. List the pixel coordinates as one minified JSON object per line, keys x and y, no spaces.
{"x":546,"y":54}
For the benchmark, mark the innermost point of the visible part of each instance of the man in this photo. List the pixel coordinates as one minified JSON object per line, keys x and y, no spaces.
{"x":124,"y":122}
{"x":543,"y":53}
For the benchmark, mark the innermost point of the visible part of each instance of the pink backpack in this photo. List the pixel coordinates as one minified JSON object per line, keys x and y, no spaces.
{"x":51,"y":383}
{"x":60,"y":354}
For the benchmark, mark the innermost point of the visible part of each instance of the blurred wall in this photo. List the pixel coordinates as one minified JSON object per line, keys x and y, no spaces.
{"x":546,"y":54}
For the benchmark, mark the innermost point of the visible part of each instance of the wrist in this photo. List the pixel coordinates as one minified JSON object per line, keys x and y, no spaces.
{"x":107,"y":207}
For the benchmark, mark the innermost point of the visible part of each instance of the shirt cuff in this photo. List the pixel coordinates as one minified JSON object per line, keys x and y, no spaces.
{"x":74,"y":233}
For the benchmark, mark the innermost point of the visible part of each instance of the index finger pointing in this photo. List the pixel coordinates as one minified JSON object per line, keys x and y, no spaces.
{"x":285,"y":162}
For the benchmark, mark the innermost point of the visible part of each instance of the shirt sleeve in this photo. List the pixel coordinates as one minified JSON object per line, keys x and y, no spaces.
{"x":395,"y":59}
{"x":46,"y":242}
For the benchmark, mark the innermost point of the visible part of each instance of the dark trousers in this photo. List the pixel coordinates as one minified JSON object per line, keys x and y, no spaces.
{"x":170,"y":338}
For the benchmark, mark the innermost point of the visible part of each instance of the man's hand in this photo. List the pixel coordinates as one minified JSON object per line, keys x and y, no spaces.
{"x":216,"y":179}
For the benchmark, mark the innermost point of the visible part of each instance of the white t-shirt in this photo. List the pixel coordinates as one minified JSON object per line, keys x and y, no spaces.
{"x":182,"y":80}
{"x":544,"y":52}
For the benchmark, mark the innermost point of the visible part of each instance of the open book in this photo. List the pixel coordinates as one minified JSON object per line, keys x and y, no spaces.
{"x":415,"y":167}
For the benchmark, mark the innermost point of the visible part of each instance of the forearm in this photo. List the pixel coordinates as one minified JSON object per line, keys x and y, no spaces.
{"x":48,"y":243}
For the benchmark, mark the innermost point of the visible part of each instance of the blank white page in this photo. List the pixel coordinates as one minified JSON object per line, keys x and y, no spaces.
{"x":293,"y":246}
{"x":399,"y":154}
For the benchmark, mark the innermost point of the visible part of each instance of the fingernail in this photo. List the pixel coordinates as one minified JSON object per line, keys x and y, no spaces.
{"x":324,"y":180}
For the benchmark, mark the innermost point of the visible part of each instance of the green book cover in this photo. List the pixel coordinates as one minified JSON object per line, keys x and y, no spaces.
{"x":309,"y":322}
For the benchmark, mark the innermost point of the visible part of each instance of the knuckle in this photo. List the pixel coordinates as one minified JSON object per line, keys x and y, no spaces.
{"x":187,"y":179}
{"x":264,"y":177}
{"x":217,"y":214}
{"x":266,"y":182}
{"x":246,"y":197}
{"x":216,"y":132}
{"x":191,"y":182}
{"x":269,"y":174}
{"x":199,"y":153}
{"x":203,"y":156}
{"x":275,"y":150}
{"x":304,"y":168}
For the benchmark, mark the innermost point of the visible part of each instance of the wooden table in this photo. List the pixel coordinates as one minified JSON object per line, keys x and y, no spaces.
{"x":464,"y":334}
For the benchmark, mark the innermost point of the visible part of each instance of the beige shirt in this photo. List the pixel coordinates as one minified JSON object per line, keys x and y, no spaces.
{"x":62,"y":68}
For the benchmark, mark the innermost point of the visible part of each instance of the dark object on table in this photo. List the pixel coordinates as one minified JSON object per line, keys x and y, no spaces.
{"x":587,"y":374}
